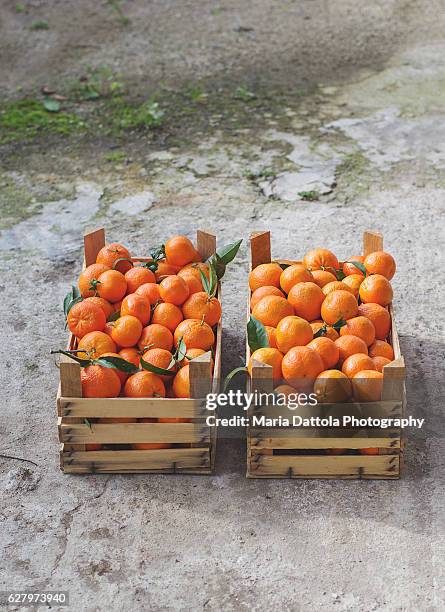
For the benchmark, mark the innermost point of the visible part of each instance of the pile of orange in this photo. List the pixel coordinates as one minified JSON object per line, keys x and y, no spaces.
{"x":327,"y":323}
{"x":157,"y":311}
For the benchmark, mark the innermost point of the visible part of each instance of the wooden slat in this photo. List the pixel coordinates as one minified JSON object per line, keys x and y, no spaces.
{"x":325,"y":438}
{"x":131,"y":407}
{"x":333,"y":466}
{"x":372,"y":241}
{"x":205,"y":243}
{"x":93,"y":242}
{"x":129,"y":433}
{"x":134,"y":469}
{"x":135,"y":459}
{"x":394,"y":335}
{"x":261,"y":377}
{"x":260,"y":249}
{"x":382,"y":409}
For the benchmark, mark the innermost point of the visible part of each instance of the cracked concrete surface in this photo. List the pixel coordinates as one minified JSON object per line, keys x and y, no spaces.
{"x":223,"y":542}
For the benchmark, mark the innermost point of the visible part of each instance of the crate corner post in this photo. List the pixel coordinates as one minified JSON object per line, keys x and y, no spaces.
{"x":93,"y":241}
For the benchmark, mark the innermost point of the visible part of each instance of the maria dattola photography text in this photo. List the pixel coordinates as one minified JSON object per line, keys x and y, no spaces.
{"x":292,"y":401}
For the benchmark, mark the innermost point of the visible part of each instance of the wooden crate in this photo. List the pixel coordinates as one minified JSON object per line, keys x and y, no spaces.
{"x":193,"y":443}
{"x":292,"y":452}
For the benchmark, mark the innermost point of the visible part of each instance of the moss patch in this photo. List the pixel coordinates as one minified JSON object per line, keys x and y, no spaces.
{"x":25,"y":119}
{"x":16,"y":203}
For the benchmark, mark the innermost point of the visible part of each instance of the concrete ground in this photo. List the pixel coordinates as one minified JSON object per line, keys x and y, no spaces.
{"x":281,"y":99}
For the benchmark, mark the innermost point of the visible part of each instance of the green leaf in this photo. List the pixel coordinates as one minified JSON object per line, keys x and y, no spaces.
{"x":205,"y":282}
{"x":151,"y":368}
{"x":181,"y":351}
{"x":84,"y":363}
{"x":228,"y":252}
{"x":116,"y":363}
{"x":321,"y":332}
{"x":339,"y":324}
{"x":67,"y":301}
{"x":340,"y":275}
{"x":218,"y":265}
{"x":359,"y":266}
{"x":158,"y":253}
{"x":231,"y":375}
{"x":213,"y":282}
{"x":256,"y":334}
{"x":87,"y":422}
{"x":114,"y":316}
{"x":51,"y":105}
{"x":75,"y":291}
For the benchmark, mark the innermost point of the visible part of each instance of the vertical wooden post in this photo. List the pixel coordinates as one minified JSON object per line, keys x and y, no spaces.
{"x":260,"y":249}
{"x":93,"y":242}
{"x":206,"y":243}
{"x":200,"y":370}
{"x":70,"y":385}
{"x":372,"y":241}
{"x":394,"y":380}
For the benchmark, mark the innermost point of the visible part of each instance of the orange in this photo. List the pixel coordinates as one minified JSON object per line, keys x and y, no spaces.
{"x":112,"y":285}
{"x":126,"y":331}
{"x":271,"y":309}
{"x":380,"y":262}
{"x":369,"y":451}
{"x":323,"y":277}
{"x":380,"y":348}
{"x":93,"y":447}
{"x":380,"y":362}
{"x":357,"y":363}
{"x":261,"y":292}
{"x":99,"y":382}
{"x":192,"y":354}
{"x":138,"y":276}
{"x":149,"y":291}
{"x":376,"y":289}
{"x":269,"y":356}
{"x":91,"y":273}
{"x":168,"y":315}
{"x":192,"y":279}
{"x":317,"y":259}
{"x":379,"y":317}
{"x":130,"y":354}
{"x":150,"y":445}
{"x":285,"y":390}
{"x":301,"y":366}
{"x":332,"y":386}
{"x":174,"y":290}
{"x":110,"y":253}
{"x":195,"y":333}
{"x":95,"y":344}
{"x":331,"y":333}
{"x":179,"y":251}
{"x":306,"y":299}
{"x":292,"y":331}
{"x":353,"y":281}
{"x":349,"y":268}
{"x":350,"y":345}
{"x":338,"y":305}
{"x":106,"y":306}
{"x":327,"y":349}
{"x":136,"y":306}
{"x":367,"y":386}
{"x":156,"y":335}
{"x":360,"y":327}
{"x":271,"y":335}
{"x":161,"y":359}
{"x":165,"y":269}
{"x":181,"y":382}
{"x":122,"y":375}
{"x":201,"y":305}
{"x":296,"y":273}
{"x":85,"y":317}
{"x":144,"y":384}
{"x":336,"y":286}
{"x":116,"y":306}
{"x":265,"y":274}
